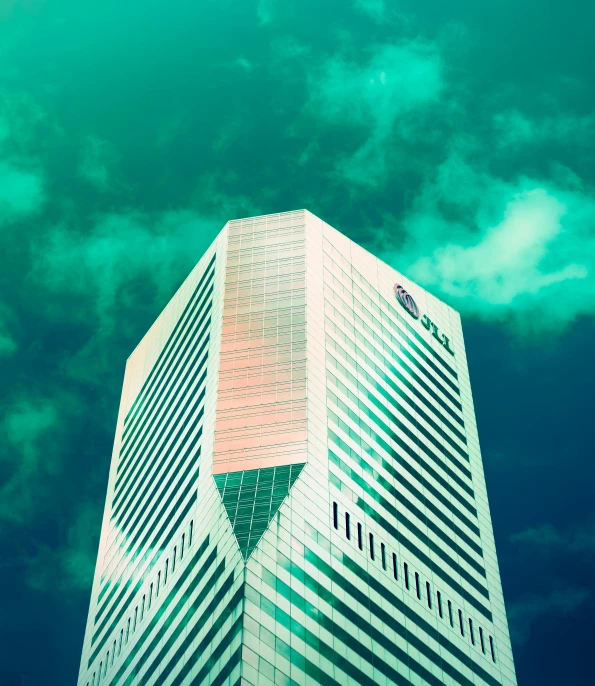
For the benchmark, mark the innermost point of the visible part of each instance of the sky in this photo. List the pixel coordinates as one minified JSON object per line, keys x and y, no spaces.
{"x":453,"y":140}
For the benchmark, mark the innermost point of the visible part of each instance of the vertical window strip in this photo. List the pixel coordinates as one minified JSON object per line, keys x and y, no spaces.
{"x":383,"y":555}
{"x":417,"y":589}
{"x":335,"y":516}
{"x":492,"y":649}
{"x":429,"y":594}
{"x":450,"y":614}
{"x":483,"y":647}
{"x":406,"y":572}
{"x":439,"y":598}
{"x":360,"y":541}
{"x":347,"y":526}
{"x":371,"y":546}
{"x":395,"y":567}
{"x":471,"y":633}
{"x":461,"y":623}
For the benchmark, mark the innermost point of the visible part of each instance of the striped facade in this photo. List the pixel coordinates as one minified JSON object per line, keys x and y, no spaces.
{"x":296,"y":493}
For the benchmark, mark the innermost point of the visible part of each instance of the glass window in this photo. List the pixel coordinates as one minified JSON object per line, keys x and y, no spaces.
{"x":372,"y":546}
{"x":492,"y":649}
{"x":395,"y":567}
{"x":383,"y":555}
{"x":439,"y":597}
{"x":347,"y":526}
{"x":461,"y":623}
{"x":450,"y":614}
{"x":360,"y":541}
{"x":429,"y":594}
{"x":417,"y":589}
{"x":481,"y":641}
{"x":335,"y":516}
{"x":406,"y":573}
{"x":471,"y":631}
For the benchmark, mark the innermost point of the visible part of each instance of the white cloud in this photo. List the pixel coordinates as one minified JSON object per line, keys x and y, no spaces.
{"x":386,"y":95}
{"x":523,"y":251}
{"x":21,"y":191}
{"x":98,"y":159}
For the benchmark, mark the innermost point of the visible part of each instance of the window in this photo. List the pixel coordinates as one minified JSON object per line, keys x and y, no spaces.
{"x":429,"y":594}
{"x":483,"y":647}
{"x":360,"y":538}
{"x":114,"y":653}
{"x":335,"y":516}
{"x":492,"y":649}
{"x":182,"y":546}
{"x":121,"y":641}
{"x":165,"y":573}
{"x":142,"y":608}
{"x":471,"y":631}
{"x":406,"y":572}
{"x":395,"y":568}
{"x":173,"y":559}
{"x":99,"y":672}
{"x":439,"y":597}
{"x":417,"y":591}
{"x":93,"y":680}
{"x":450,"y":614}
{"x":106,"y":663}
{"x":158,"y":584}
{"x":190,"y":534}
{"x":347,"y":526}
{"x":372,"y":546}
{"x":150,"y":596}
{"x":127,"y":630}
{"x":383,"y":555}
{"x":461,"y":623}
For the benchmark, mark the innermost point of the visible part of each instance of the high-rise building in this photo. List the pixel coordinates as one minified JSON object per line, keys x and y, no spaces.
{"x":296,"y":493}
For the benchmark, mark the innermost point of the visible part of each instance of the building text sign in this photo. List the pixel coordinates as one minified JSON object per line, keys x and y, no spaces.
{"x":407,"y":301}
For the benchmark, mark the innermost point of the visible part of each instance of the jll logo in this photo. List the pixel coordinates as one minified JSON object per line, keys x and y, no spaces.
{"x":410,"y":305}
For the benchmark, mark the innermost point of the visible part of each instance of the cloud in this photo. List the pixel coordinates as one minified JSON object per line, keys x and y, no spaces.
{"x":521,"y":251}
{"x":27,"y":427}
{"x":21,"y":191}
{"x":265,"y":11}
{"x":244,"y":64}
{"x":376,"y":9}
{"x":68,"y":567}
{"x":98,"y":159}
{"x":383,"y":97}
{"x":8,"y":345}
{"x":123,"y":257}
{"x":523,"y":613}
{"x":516,"y":130}
{"x":22,"y":181}
{"x":548,"y":541}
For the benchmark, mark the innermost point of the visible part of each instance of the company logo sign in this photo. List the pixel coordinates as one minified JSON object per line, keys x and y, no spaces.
{"x":410,"y":305}
{"x":407,"y":301}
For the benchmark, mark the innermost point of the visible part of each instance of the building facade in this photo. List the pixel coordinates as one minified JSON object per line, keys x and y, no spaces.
{"x":296,"y":493}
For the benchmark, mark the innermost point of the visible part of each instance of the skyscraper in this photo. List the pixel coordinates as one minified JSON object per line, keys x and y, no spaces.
{"x":296,"y":493}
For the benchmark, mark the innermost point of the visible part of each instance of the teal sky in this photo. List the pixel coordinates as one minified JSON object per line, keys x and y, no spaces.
{"x":453,"y":140}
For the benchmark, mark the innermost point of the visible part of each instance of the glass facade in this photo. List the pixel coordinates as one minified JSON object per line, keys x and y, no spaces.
{"x":296,"y":493}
